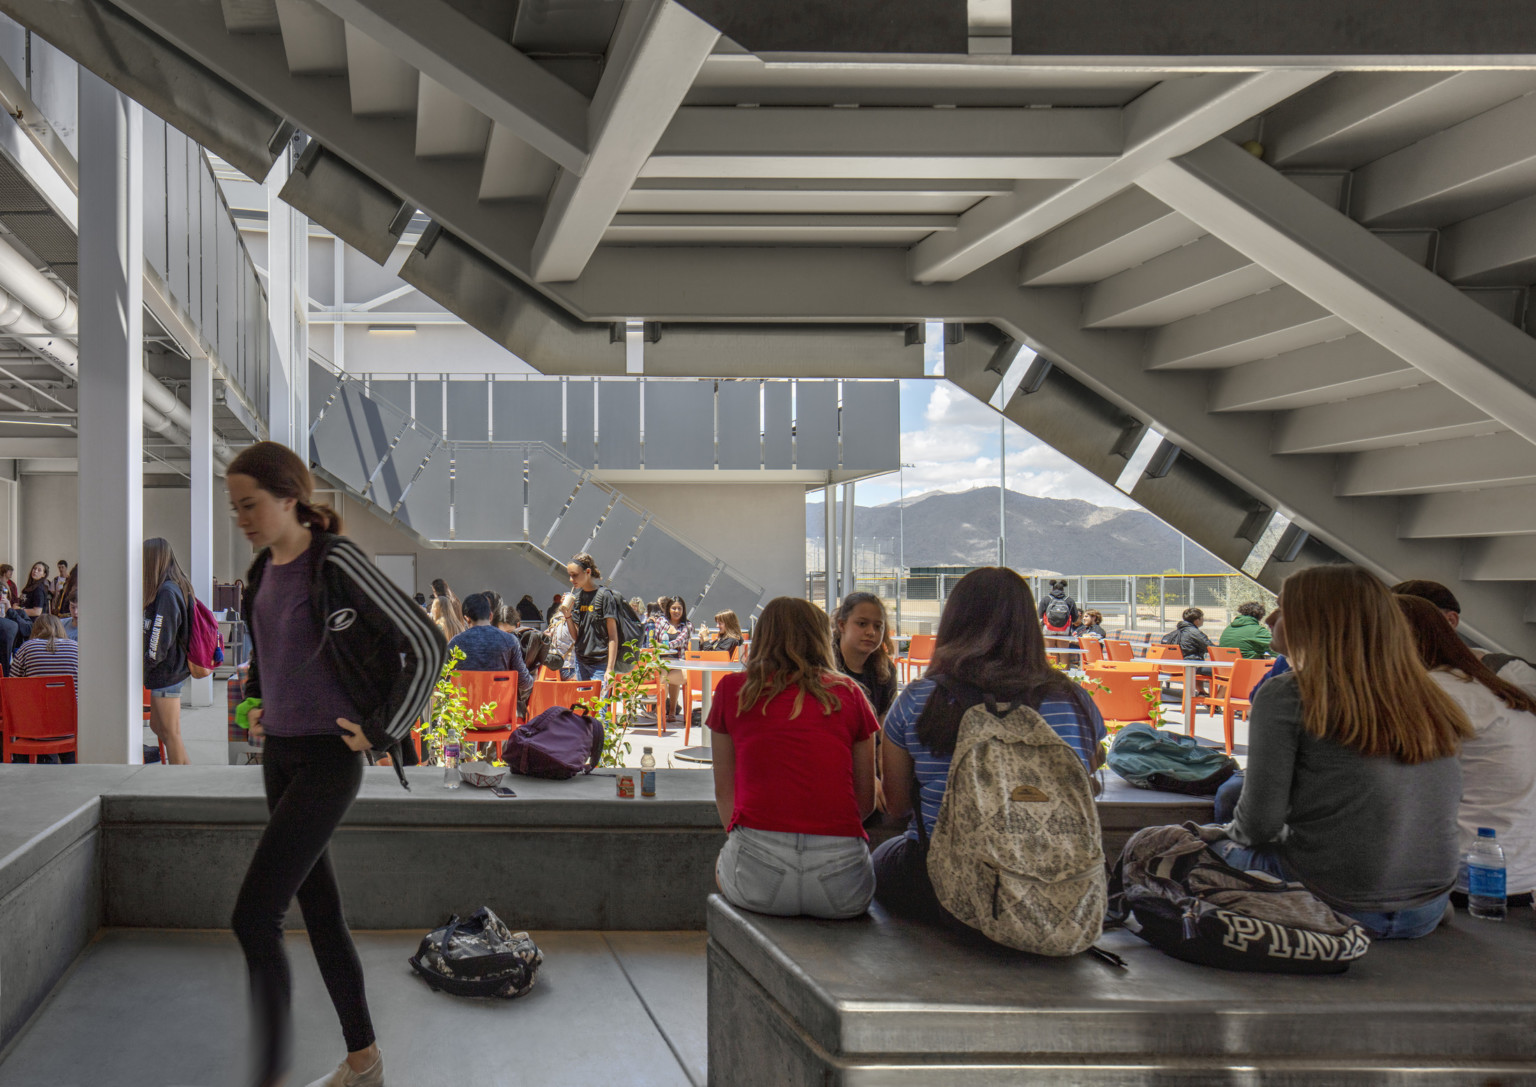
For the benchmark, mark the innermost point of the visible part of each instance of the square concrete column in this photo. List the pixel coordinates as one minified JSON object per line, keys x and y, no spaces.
{"x":846,"y":582}
{"x":204,"y":502}
{"x":281,"y":366}
{"x":111,"y":448}
{"x":829,"y":516}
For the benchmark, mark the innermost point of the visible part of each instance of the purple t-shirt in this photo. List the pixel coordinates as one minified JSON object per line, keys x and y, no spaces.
{"x":300,"y":693}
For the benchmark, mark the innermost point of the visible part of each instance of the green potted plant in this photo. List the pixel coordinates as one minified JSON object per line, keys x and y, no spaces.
{"x":621,"y":699}
{"x":451,"y":716}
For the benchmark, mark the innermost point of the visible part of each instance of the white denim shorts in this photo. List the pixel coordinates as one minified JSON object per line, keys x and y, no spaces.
{"x":789,"y":875}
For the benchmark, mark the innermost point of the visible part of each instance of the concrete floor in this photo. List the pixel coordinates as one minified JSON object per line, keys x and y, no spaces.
{"x":168,"y":1009}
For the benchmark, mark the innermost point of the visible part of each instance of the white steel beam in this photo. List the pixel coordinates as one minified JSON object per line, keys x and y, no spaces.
{"x":1498,"y":511}
{"x":1280,"y":319}
{"x":657,"y":49}
{"x":202,"y":503}
{"x":1425,"y":413}
{"x":783,"y":229}
{"x":1480,"y":163}
{"x":1189,"y":280}
{"x":111,"y":422}
{"x":1121,"y":233}
{"x":800,"y":196}
{"x":1176,"y":116}
{"x":1338,"y":263}
{"x":1495,"y":460}
{"x":1496,"y":248}
{"x":483,"y":70}
{"x":786,"y":142}
{"x":1337,"y":370}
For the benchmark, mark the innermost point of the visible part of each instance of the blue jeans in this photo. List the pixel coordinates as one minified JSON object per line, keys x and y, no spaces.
{"x":1226,"y":798}
{"x":1407,"y":924}
{"x":591,"y":671}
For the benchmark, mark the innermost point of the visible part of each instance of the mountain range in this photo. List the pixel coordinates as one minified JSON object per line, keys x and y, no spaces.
{"x":1045,"y":535}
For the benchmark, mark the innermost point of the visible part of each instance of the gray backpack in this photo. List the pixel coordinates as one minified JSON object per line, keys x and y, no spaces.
{"x":1016,"y":850}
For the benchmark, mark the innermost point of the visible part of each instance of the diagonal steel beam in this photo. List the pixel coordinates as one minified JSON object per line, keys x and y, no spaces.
{"x":1173,"y":117}
{"x":657,"y":49}
{"x":488,"y":73}
{"x":1339,"y":264}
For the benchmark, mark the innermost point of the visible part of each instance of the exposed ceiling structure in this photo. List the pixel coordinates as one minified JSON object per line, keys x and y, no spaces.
{"x":1307,"y":278}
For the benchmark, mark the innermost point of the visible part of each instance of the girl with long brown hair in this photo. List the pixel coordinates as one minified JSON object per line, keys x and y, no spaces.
{"x":859,"y":647}
{"x":794,"y":772}
{"x":343,"y":662}
{"x":1498,"y":761}
{"x":1353,"y":782}
{"x":167,"y":632}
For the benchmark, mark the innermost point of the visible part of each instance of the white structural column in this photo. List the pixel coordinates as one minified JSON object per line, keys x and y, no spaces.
{"x":111,"y":423}
{"x":282,"y":368}
{"x":1337,"y":263}
{"x":829,"y":513}
{"x":296,"y":304}
{"x":657,"y":50}
{"x":847,"y":581}
{"x":203,"y":503}
{"x":1176,"y":116}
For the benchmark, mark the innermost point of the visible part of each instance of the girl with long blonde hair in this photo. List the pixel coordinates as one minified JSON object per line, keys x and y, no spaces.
{"x":794,"y":772}
{"x":1353,"y":783}
{"x":167,"y":632}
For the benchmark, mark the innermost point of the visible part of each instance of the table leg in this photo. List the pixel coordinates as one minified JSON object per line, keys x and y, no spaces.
{"x":1189,"y":698}
{"x":706,"y":691}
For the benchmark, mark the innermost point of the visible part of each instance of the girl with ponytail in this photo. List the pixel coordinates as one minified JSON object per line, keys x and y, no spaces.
{"x":343,"y":663}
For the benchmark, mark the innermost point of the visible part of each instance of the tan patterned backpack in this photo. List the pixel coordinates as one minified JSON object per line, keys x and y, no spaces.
{"x":1016,"y":849}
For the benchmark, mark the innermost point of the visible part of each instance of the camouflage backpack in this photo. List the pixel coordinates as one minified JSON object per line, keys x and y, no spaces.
{"x":1016,"y":850}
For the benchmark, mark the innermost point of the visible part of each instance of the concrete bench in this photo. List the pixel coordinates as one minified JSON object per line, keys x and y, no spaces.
{"x":796,"y":1002}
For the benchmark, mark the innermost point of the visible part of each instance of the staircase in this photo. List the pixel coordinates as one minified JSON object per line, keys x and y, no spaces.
{"x":522,"y":494}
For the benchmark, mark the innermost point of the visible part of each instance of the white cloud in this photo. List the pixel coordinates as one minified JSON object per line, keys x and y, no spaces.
{"x":955,"y":448}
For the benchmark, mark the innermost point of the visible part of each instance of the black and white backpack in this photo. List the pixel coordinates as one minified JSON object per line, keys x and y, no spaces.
{"x":479,"y":956}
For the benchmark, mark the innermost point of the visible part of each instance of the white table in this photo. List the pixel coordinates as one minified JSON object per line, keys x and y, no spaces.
{"x":1189,"y":666}
{"x":701,"y":752}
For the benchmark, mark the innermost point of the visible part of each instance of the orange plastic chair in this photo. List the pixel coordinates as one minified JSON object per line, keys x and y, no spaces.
{"x":919,"y":654}
{"x":146,"y":721}
{"x":548,"y":673}
{"x":1118,"y":651}
{"x":480,"y":688}
{"x":1119,"y":698}
{"x":40,"y":714}
{"x":1093,"y":651}
{"x":694,"y":688}
{"x":565,"y":692}
{"x":1224,"y":654}
{"x":1231,"y":693}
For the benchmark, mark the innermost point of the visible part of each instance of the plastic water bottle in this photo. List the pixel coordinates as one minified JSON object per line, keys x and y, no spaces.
{"x":1485,"y":877}
{"x":647,"y":773}
{"x":451,"y":777}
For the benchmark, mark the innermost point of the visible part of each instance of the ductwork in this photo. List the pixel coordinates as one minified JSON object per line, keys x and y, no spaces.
{"x":39,"y":313}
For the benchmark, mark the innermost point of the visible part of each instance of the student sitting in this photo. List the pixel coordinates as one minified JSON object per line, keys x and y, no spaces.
{"x":47,"y":653}
{"x":1353,"y":782}
{"x":989,"y":643}
{"x":859,"y":648}
{"x":1246,"y":632}
{"x":1498,"y":762}
{"x":1516,"y":670}
{"x":794,"y":773}
{"x":728,"y":637}
{"x":1092,"y":625}
{"x":487,"y":649}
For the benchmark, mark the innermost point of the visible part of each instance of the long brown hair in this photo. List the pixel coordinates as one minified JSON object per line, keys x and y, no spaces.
{"x":1440,"y":648}
{"x":448,"y":614}
{"x":35,"y":581}
{"x":279,"y":471}
{"x":160,"y":564}
{"x":1361,"y":682}
{"x":880,"y":658}
{"x":792,"y":647}
{"x":49,"y":626}
{"x":729,"y":625}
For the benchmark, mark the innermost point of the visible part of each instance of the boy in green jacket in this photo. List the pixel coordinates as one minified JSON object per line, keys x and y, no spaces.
{"x":1247,"y":632}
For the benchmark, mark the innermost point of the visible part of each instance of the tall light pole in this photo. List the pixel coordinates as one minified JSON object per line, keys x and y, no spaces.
{"x":901,"y":535}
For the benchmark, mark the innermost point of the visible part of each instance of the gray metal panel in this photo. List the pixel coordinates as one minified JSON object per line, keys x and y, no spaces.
{"x":425,"y":508}
{"x":576,"y":526}
{"x":618,"y":430}
{"x":429,"y":403}
{"x":206,"y":272}
{"x":527,"y":411}
{"x":618,"y":528}
{"x":871,"y":425}
{"x":487,"y":494}
{"x":154,"y":194}
{"x":816,"y":425}
{"x":390,"y":484}
{"x":679,"y":424}
{"x":729,"y":593}
{"x":660,"y":563}
{"x":778,"y":435}
{"x":322,"y":383}
{"x":740,"y":424}
{"x":178,"y":215}
{"x":229,"y":284}
{"x":578,"y":422}
{"x":354,"y":436}
{"x":393,"y":391}
{"x":468,"y":414}
{"x":551,"y":482}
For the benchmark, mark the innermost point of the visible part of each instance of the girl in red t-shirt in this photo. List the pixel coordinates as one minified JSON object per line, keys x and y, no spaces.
{"x":794,"y":772}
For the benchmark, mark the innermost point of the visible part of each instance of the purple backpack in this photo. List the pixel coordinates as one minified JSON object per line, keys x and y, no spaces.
{"x":558,"y":743}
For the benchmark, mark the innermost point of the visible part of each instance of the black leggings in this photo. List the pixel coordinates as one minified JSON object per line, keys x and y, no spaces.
{"x":311,"y":781}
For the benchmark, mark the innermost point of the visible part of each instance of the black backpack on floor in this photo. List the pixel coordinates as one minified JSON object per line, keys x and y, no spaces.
{"x":478,"y":957}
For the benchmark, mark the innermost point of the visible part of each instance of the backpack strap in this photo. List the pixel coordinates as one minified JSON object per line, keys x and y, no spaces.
{"x":599,"y":734}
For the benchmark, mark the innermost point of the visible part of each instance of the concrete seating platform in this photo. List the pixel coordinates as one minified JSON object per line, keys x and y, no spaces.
{"x":146,"y":1008}
{"x":796,"y":1002}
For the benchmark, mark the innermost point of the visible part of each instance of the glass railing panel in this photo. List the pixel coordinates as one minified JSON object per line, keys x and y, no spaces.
{"x":426,"y":504}
{"x":487,"y":493}
{"x":575,"y":528}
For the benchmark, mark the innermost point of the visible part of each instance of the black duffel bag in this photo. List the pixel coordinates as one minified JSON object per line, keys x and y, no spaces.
{"x":479,"y":956}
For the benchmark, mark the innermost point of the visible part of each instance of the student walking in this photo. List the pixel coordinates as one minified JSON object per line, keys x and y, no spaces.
{"x":343,"y":663}
{"x":593,"y":620}
{"x":167,"y":634}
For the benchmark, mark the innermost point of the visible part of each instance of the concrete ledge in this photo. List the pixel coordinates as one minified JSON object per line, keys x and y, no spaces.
{"x":795,"y":1001}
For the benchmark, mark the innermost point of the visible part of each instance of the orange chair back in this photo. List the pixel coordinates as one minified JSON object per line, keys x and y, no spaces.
{"x":707,"y":655}
{"x":1164,"y":653}
{"x":1224,"y":654}
{"x":561,"y":693}
{"x":481,"y":688}
{"x":1245,"y":676}
{"x":1121,"y":698}
{"x":920,"y":648}
{"x":39,"y":708}
{"x":1093,"y":650}
{"x":547,"y":674}
{"x":1118,"y":651}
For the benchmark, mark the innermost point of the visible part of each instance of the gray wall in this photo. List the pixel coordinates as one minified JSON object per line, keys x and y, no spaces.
{"x":759,"y":528}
